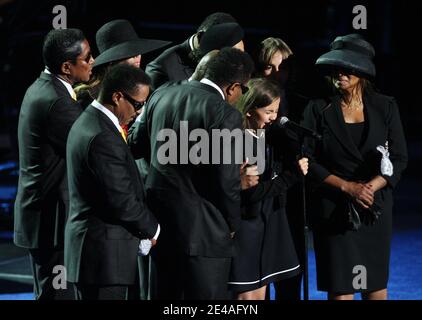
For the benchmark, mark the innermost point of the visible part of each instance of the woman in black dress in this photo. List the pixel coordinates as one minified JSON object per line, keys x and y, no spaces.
{"x":351,"y":211}
{"x":265,"y":250}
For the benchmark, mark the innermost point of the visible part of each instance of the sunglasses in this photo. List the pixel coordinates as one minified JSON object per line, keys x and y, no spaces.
{"x":344,"y":71}
{"x":136,"y":104}
{"x":244,"y":88}
{"x":87,"y":59}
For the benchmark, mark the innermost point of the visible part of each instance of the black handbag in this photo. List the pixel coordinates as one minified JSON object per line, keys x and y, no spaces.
{"x":357,"y":215}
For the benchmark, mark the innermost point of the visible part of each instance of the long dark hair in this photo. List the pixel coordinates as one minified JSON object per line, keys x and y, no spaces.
{"x":262,"y":92}
{"x":92,"y":87}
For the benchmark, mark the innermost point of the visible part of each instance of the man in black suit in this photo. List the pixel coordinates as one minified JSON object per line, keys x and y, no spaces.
{"x":107,"y":214}
{"x":47,"y":113}
{"x":178,"y":63}
{"x":198,"y":205}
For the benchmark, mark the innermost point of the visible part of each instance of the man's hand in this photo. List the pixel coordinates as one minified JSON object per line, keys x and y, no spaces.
{"x":243,"y":167}
{"x":303,"y":166}
{"x":247,"y":182}
{"x":248,"y":176}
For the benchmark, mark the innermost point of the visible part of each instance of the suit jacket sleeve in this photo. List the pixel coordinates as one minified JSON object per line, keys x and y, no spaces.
{"x":311,"y":119}
{"x":229,"y":175}
{"x":156,"y":72}
{"x":138,"y":138}
{"x":110,"y":163}
{"x":62,"y":114}
{"x":396,"y":144}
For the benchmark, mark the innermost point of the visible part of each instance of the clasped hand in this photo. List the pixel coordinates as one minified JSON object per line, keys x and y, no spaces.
{"x":361,"y":193}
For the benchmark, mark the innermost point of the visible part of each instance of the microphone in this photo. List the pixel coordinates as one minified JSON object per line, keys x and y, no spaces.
{"x":285,"y":122}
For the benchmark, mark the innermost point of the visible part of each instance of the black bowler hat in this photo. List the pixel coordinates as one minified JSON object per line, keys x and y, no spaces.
{"x":220,"y":36}
{"x":117,"y":40}
{"x":350,"y":52}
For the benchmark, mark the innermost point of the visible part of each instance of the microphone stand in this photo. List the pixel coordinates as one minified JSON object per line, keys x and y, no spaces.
{"x":305,"y":225}
{"x":301,"y":134}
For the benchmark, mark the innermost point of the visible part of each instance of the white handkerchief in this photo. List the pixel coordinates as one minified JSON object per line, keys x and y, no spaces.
{"x":144,"y":247}
{"x":386,"y":164}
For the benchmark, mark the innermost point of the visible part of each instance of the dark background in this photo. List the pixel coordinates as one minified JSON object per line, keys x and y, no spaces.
{"x":307,"y":26}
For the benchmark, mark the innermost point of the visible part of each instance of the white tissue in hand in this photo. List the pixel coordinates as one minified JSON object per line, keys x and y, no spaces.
{"x":144,"y":247}
{"x":386,"y":165}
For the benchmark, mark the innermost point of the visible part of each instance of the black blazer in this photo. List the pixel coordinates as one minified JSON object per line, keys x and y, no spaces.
{"x":197,"y":205}
{"x":281,"y":171}
{"x":337,"y":154}
{"x":173,"y":64}
{"x":46,"y":116}
{"x":107,"y":214}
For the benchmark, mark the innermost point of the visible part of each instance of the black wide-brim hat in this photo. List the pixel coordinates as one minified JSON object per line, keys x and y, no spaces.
{"x":117,"y":40}
{"x":220,"y":36}
{"x":350,"y":52}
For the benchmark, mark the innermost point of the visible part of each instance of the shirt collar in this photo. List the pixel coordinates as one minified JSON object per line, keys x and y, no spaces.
{"x":254,"y":133}
{"x":191,"y":43}
{"x":108,"y":113}
{"x":66,"y":84}
{"x":212,"y":84}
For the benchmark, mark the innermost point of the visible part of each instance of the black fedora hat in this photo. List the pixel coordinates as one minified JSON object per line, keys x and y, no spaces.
{"x":350,"y":52}
{"x":117,"y":40}
{"x":220,"y":36}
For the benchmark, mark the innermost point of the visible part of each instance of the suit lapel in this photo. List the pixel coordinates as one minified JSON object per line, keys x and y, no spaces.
{"x":336,"y":123}
{"x":103,"y":118}
{"x":58,"y":85}
{"x":110,"y":126}
{"x":56,"y":82}
{"x":374,"y":121}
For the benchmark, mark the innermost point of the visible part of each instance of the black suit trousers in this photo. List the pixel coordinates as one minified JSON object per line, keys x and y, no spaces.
{"x":110,"y":292}
{"x":180,"y":276}
{"x":43,"y":262}
{"x":106,"y":292}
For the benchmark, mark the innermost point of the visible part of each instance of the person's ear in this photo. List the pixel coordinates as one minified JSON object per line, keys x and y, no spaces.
{"x":65,"y":69}
{"x":116,"y":97}
{"x":230,"y":89}
{"x":248,"y":114}
{"x":197,"y":39}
